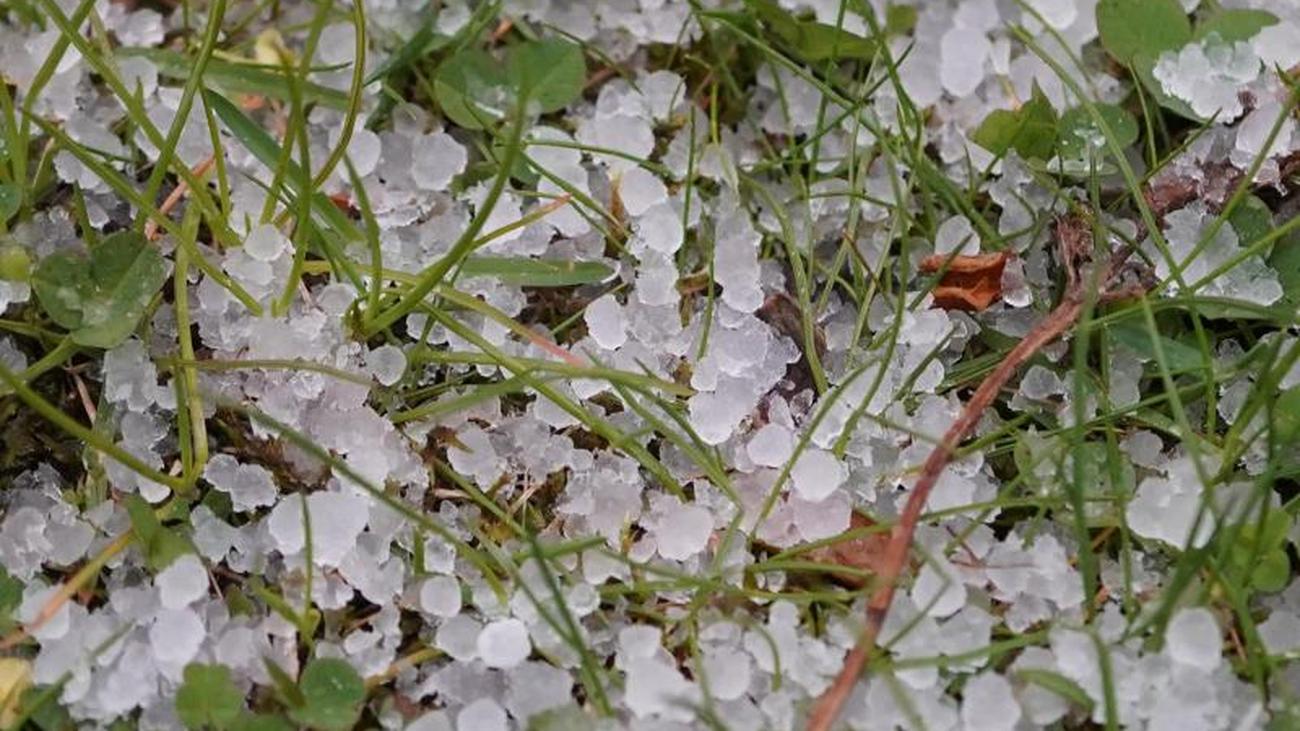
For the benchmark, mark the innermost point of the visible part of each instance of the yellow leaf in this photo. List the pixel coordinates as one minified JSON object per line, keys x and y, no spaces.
{"x":15,"y":677}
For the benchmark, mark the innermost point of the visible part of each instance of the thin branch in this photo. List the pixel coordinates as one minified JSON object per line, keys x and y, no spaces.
{"x":1074,"y":240}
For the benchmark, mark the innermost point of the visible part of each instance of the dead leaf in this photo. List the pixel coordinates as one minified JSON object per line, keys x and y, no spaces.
{"x":969,"y":282}
{"x":864,"y":552}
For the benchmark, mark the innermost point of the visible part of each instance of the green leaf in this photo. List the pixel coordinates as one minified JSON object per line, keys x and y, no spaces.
{"x":208,"y":698}
{"x":564,"y":718}
{"x":11,"y":198}
{"x":1272,"y":572}
{"x":267,"y":151}
{"x":15,"y":264}
{"x":526,"y":272}
{"x":289,"y":693}
{"x":238,"y":78}
{"x":101,"y":299}
{"x":1029,"y":130}
{"x":1178,"y":356}
{"x":260,"y":722}
{"x":1079,"y":132}
{"x":11,"y":596}
{"x":332,"y":694}
{"x":161,"y":545}
{"x":472,"y":89}
{"x":549,"y":73}
{"x":1286,"y":417}
{"x":1144,"y":66}
{"x":1235,"y":24}
{"x":1129,"y":28}
{"x":1286,"y":262}
{"x":1058,"y":684}
{"x":811,"y":40}
{"x":1252,"y":220}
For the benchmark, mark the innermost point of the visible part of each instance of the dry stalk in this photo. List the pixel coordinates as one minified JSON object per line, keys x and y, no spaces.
{"x":1074,"y":240}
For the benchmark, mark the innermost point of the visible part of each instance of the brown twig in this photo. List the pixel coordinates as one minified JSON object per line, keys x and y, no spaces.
{"x":1074,"y":241}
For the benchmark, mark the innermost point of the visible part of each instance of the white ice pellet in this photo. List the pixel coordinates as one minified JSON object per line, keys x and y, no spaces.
{"x":1209,"y":75}
{"x":386,"y":363}
{"x":484,"y":714}
{"x":956,"y":235}
{"x":435,"y":160}
{"x":817,"y":473}
{"x":656,"y":689}
{"x":1193,"y":638}
{"x":606,"y":322}
{"x":639,"y":189}
{"x":504,"y":643}
{"x":988,"y":704}
{"x":265,"y":243}
{"x":963,"y":52}
{"x":176,"y":635}
{"x":661,"y":228}
{"x":182,"y":583}
{"x":440,"y":596}
{"x":770,"y":446}
{"x":458,"y":637}
{"x":683,"y":531}
{"x":1280,"y":633}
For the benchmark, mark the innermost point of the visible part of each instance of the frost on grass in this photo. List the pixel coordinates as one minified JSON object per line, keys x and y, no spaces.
{"x":502,"y":541}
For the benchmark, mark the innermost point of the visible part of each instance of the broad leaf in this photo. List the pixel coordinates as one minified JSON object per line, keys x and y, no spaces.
{"x":1178,"y":356}
{"x":1079,"y":132}
{"x":1285,"y":260}
{"x":208,"y":698}
{"x":1129,"y":28}
{"x":1029,"y":130}
{"x":11,"y":198}
{"x":811,"y":40}
{"x":472,"y":89}
{"x":332,"y":693}
{"x":549,"y":73}
{"x":100,"y":299}
{"x":1237,"y":24}
{"x":15,"y":264}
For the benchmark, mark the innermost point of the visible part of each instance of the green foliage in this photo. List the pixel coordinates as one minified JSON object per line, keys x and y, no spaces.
{"x":15,"y":264}
{"x":1178,"y":356}
{"x":525,"y":272}
{"x":239,"y":78}
{"x":161,"y":545}
{"x":475,"y":90}
{"x":1286,"y":418}
{"x":1252,"y":220}
{"x":1236,"y":24}
{"x":208,"y":698}
{"x":1285,"y":260}
{"x":564,"y":718}
{"x":1079,"y":132}
{"x":1258,"y":555}
{"x":11,"y":199}
{"x":811,"y":40}
{"x":1029,"y":130}
{"x":332,"y":694}
{"x":1058,"y":684}
{"x":11,"y":595}
{"x":1136,"y":32}
{"x":101,"y":298}
{"x":1133,"y":29}
{"x":549,"y":73}
{"x":260,"y":722}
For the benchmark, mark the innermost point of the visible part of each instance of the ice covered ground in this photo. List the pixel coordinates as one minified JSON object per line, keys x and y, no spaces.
{"x":513,"y":502}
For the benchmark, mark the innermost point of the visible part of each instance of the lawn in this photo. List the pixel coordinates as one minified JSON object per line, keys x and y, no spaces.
{"x":649,"y":365}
